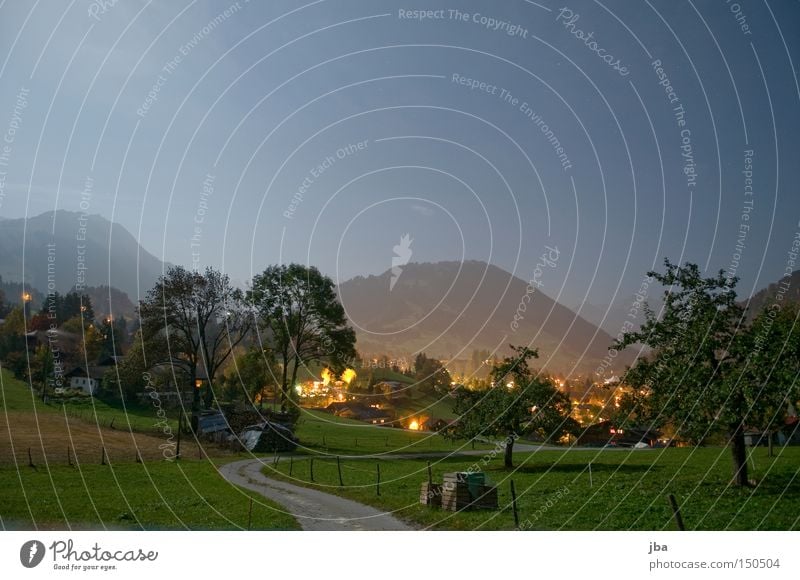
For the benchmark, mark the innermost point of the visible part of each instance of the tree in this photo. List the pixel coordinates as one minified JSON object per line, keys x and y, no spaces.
{"x":201,"y":316}
{"x":58,"y":309}
{"x":13,"y":344}
{"x":517,"y":401}
{"x":252,"y":372}
{"x":630,"y":410}
{"x":430,"y":374}
{"x":769,"y":352}
{"x":114,"y":333}
{"x":703,"y":370}
{"x":129,"y":377}
{"x":301,"y":322}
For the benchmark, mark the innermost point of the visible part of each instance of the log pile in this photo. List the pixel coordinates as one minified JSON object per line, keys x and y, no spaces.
{"x":459,"y":492}
{"x":431,"y":494}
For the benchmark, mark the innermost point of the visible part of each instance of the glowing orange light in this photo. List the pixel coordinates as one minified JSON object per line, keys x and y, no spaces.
{"x":325,"y":375}
{"x":348,"y":375}
{"x":414,"y":425}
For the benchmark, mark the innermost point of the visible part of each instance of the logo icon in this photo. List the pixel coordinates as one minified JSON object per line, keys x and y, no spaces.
{"x":402,"y":255}
{"x":31,"y":553}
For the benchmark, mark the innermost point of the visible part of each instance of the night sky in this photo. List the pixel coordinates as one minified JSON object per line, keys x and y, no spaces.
{"x":239,"y":135}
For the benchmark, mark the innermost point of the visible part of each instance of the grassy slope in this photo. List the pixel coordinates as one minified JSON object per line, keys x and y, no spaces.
{"x":16,"y":396}
{"x":629,"y":489}
{"x":162,"y":495}
{"x":94,"y":495}
{"x":326,"y":433}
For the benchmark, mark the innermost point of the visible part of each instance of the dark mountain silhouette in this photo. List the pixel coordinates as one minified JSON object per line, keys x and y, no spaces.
{"x":57,"y":246}
{"x":788,"y":288}
{"x":447,"y":309}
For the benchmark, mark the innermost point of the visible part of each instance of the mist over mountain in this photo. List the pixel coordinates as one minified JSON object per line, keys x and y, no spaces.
{"x":62,"y":249}
{"x":447,"y":309}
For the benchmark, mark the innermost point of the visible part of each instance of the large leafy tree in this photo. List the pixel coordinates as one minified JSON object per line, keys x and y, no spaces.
{"x":769,"y":355}
{"x":302,"y":322}
{"x":703,"y":373}
{"x":430,"y":374}
{"x":201,"y":316}
{"x":249,"y":376}
{"x":518,"y":400}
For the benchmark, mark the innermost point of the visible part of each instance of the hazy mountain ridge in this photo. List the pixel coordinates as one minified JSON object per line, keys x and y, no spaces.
{"x":450,"y":308}
{"x":57,"y":243}
{"x":787,"y":287}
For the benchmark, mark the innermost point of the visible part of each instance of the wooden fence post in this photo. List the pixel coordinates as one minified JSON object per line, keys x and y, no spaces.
{"x":250,"y":515}
{"x":339,"y":468}
{"x":311,"y":469}
{"x":30,"y":458}
{"x":291,"y":464}
{"x":103,"y":455}
{"x":378,"y":481}
{"x":676,"y":512}
{"x":514,"y":504}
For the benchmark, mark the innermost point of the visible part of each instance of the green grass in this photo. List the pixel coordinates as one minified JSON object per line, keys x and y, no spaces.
{"x":134,"y":417}
{"x":162,"y":495}
{"x":629,"y":489}
{"x":426,"y":405}
{"x":321,"y":432}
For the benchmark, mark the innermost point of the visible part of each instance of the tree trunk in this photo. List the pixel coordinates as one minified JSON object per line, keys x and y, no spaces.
{"x":507,"y":456}
{"x":283,"y":380}
{"x":739,"y":455}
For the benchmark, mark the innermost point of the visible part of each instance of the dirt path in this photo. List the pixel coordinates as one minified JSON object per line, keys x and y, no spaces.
{"x":314,"y":510}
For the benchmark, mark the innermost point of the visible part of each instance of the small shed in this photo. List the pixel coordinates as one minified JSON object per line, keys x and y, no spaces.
{"x":268,"y":437}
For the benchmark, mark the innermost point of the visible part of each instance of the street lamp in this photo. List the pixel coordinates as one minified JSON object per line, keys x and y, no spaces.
{"x":26,"y":304}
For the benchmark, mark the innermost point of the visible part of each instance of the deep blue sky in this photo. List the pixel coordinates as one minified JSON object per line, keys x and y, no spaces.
{"x":265,"y":95}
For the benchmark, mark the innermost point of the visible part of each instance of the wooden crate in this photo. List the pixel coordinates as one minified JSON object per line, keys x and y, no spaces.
{"x":430,"y":494}
{"x":456,"y":494}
